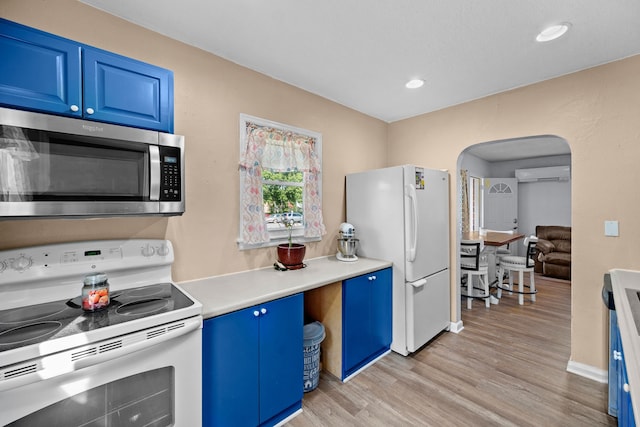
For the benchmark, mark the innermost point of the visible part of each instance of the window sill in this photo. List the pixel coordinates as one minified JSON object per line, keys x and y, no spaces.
{"x":275,"y":242}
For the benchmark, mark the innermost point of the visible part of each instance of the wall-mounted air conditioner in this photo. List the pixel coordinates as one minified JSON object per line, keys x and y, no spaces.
{"x":552,"y":173}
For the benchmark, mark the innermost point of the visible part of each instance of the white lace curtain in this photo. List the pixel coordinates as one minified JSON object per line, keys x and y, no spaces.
{"x":278,"y":151}
{"x":464,"y":181}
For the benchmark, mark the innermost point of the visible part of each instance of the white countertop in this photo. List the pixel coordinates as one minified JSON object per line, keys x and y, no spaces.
{"x":621,"y":280}
{"x":224,"y":294}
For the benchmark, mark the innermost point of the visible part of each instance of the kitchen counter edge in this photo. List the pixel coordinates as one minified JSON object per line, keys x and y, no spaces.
{"x":230,"y":292}
{"x":622,"y":279}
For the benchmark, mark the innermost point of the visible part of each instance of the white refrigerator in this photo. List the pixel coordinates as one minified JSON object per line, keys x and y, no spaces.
{"x":401,"y":214}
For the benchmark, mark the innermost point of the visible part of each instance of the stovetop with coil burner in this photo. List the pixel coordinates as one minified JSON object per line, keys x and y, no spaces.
{"x":42,"y":322}
{"x":40,"y":308}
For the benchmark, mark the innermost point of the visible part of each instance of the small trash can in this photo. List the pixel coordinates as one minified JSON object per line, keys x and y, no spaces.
{"x":313,"y":336}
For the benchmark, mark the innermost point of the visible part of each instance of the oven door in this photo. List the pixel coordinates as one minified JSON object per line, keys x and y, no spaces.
{"x":159,"y":385}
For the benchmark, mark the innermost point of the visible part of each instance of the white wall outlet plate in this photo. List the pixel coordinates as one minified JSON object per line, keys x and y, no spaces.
{"x":611,"y":228}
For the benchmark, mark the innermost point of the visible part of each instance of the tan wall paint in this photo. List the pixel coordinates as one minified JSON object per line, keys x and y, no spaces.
{"x":210,"y":93}
{"x":595,"y":111}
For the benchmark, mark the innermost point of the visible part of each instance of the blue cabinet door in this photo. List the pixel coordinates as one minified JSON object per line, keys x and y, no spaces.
{"x":624,"y":406}
{"x":615,"y":347}
{"x":381,"y":319}
{"x":230,"y":370}
{"x":281,"y":358}
{"x":252,"y":364}
{"x":125,"y":91}
{"x":366,"y":319}
{"x":50,"y":74}
{"x":39,"y":71}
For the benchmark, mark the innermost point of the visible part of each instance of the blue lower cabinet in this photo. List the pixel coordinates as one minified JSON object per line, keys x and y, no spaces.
{"x":624,"y":407}
{"x":253,"y":364}
{"x":366,"y":319}
{"x":615,"y":347}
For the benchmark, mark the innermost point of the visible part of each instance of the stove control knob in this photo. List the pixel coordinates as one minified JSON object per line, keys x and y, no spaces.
{"x":148,"y":250}
{"x":163,"y":250}
{"x":22,"y":263}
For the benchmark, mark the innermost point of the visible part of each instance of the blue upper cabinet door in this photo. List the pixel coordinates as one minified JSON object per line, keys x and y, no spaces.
{"x":39,"y":71}
{"x":125,"y":91}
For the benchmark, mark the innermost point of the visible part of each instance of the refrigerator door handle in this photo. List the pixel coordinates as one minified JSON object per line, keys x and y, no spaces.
{"x":413,"y":241}
{"x":419,"y":283}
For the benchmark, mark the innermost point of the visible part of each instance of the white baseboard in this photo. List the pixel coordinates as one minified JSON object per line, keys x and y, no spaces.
{"x":456,"y":327}
{"x":588,"y":371}
{"x":289,"y":418}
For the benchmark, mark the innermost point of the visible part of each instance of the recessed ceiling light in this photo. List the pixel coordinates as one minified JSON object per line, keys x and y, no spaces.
{"x":414,"y":84}
{"x":553,"y":32}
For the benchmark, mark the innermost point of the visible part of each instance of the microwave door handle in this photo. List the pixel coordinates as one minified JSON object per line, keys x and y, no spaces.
{"x":154,"y":163}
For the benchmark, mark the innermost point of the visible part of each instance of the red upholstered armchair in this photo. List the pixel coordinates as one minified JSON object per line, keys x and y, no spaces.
{"x":553,"y":256}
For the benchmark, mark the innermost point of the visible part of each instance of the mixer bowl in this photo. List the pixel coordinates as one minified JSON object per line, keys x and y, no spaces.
{"x":348,"y":246}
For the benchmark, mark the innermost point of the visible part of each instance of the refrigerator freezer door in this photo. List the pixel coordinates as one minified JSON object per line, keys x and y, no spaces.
{"x":426,"y":213}
{"x":428,"y":308}
{"x":375,"y":208}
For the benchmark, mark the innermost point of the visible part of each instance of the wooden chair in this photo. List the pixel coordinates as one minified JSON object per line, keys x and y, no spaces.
{"x":521,"y":264}
{"x":474,"y":263}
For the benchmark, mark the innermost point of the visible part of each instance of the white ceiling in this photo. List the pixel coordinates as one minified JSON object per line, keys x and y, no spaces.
{"x":361,"y":53}
{"x":520,"y":148}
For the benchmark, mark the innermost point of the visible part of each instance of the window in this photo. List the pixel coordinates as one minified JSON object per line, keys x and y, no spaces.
{"x":280,"y":182}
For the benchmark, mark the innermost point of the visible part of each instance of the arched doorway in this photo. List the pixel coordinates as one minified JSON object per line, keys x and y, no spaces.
{"x":500,"y":159}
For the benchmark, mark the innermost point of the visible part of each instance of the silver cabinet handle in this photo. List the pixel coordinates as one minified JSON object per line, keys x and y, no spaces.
{"x":90,"y":110}
{"x":263,"y":311}
{"x":256,"y":313}
{"x":74,"y":108}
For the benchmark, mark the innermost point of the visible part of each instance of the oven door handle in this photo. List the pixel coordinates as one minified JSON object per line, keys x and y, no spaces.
{"x":43,"y":368}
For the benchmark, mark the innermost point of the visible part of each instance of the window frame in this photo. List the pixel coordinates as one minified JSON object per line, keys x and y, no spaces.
{"x":279,"y":236}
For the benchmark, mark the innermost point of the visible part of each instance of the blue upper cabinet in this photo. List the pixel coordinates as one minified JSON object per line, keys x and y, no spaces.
{"x":46,"y":73}
{"x":124,"y":91}
{"x":39,"y":71}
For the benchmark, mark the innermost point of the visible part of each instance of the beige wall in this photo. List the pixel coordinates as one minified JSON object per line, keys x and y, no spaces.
{"x":210,"y":93}
{"x":595,"y":111}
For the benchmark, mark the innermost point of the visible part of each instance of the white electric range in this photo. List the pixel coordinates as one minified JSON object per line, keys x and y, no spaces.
{"x":136,"y":362}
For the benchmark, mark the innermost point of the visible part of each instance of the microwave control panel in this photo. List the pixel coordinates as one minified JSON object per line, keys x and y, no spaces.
{"x":170,"y":174}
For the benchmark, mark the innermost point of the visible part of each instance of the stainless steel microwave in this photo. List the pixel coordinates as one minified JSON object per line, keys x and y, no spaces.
{"x":53,"y":166}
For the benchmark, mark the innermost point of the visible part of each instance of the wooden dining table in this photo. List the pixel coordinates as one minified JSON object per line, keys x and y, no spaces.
{"x":493,"y":238}
{"x":492,"y":241}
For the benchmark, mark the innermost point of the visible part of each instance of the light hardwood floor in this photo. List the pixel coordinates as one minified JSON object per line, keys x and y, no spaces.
{"x":506,"y":368}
